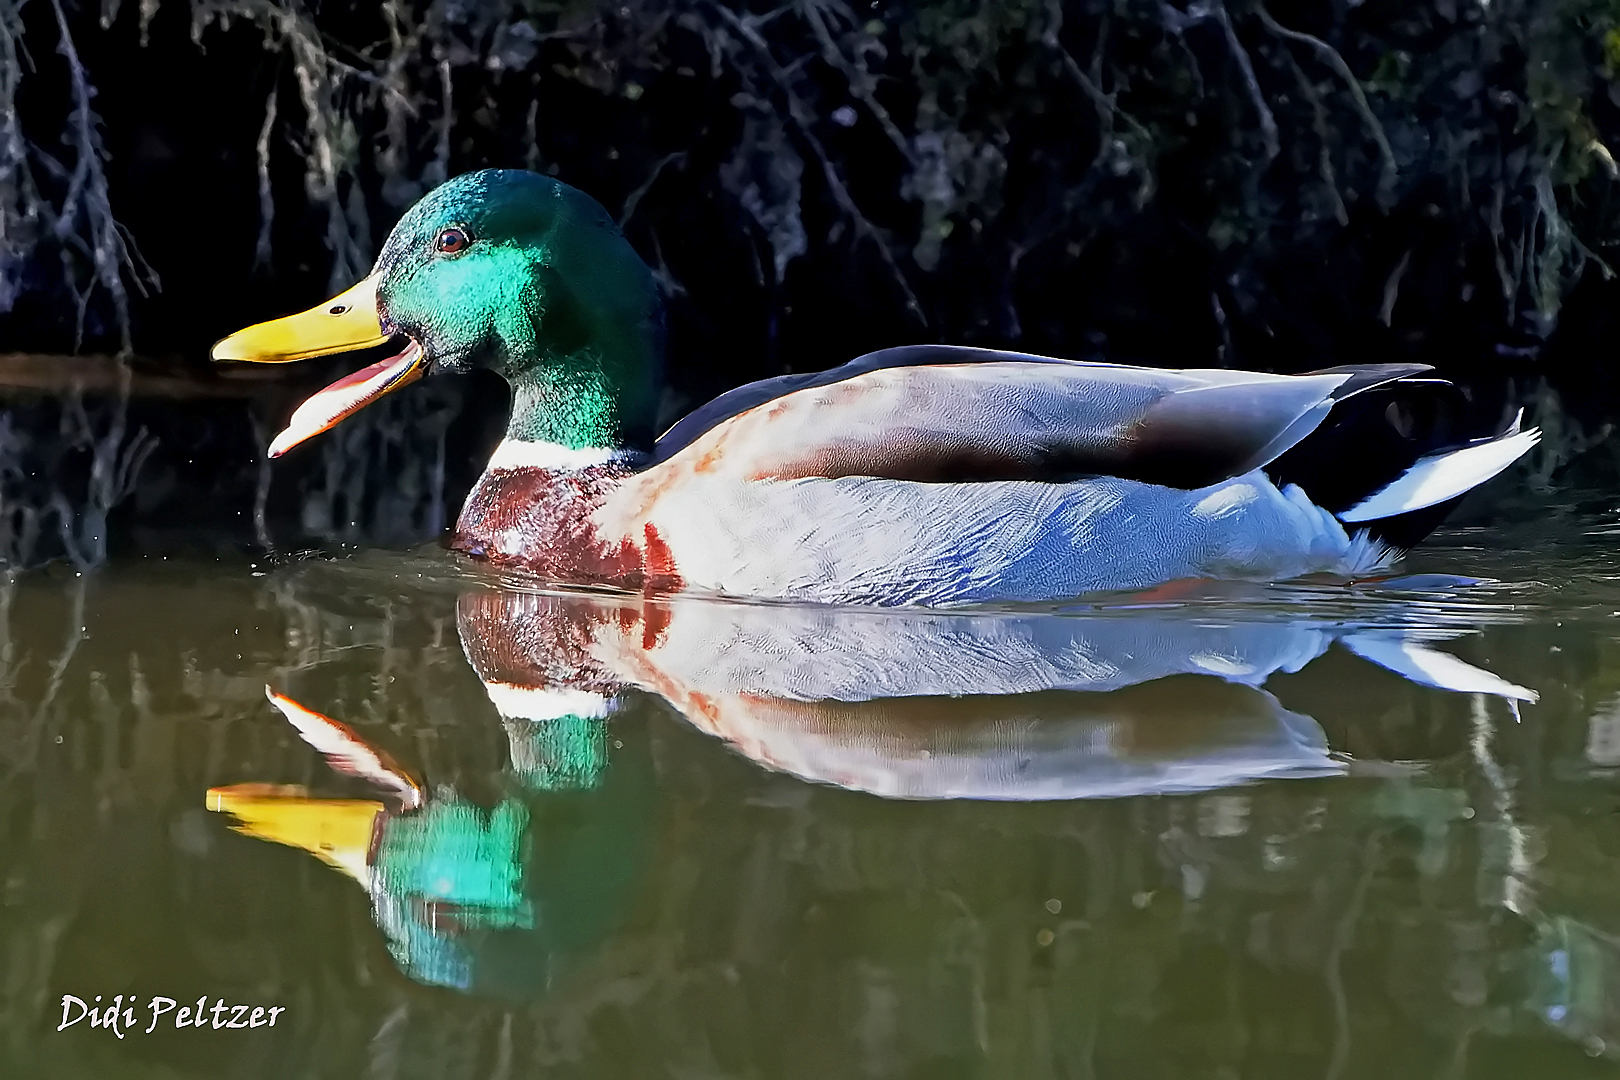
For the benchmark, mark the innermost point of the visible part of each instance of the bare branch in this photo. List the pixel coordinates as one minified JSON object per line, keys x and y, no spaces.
{"x":267,"y":206}
{"x":1324,"y":155}
{"x":633,"y":200}
{"x":1268,"y":122}
{"x":1392,"y":288}
{"x":858,"y":76}
{"x":1107,"y":110}
{"x":1330,"y":55}
{"x":802,"y":122}
{"x":87,"y":197}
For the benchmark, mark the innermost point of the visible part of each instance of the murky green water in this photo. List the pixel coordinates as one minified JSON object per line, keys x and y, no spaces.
{"x":1239,"y":832}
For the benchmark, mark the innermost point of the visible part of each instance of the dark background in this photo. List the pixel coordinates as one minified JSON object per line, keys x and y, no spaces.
{"x":1206,"y":184}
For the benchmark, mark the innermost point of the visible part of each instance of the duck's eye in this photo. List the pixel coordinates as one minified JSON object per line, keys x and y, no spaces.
{"x":453,"y":240}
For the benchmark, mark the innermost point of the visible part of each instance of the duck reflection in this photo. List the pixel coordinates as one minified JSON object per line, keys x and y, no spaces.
{"x":465,"y":897}
{"x":923,"y":706}
{"x":909,"y":705}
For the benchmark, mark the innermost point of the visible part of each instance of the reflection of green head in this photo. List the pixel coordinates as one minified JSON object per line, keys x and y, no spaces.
{"x":449,"y":864}
{"x":565,"y":753}
{"x":491,"y":901}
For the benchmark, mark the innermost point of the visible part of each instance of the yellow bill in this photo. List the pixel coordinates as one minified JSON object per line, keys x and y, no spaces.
{"x":346,"y":323}
{"x":336,"y":831}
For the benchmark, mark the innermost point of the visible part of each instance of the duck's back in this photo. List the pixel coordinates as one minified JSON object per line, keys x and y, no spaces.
{"x":1007,"y":478}
{"x":939,"y":413}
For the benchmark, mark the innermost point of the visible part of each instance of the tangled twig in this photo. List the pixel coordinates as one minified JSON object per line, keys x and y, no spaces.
{"x":1330,"y":56}
{"x":798,"y":114}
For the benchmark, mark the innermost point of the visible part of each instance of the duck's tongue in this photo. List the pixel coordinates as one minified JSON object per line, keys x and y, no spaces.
{"x":326,"y":408}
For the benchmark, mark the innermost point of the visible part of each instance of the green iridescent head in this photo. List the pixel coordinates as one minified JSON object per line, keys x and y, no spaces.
{"x":500,"y":269}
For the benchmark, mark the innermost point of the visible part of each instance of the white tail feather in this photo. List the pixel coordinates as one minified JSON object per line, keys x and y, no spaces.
{"x":1443,"y":476}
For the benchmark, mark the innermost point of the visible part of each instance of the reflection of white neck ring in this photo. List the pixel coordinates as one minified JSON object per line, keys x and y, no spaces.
{"x":546,"y":703}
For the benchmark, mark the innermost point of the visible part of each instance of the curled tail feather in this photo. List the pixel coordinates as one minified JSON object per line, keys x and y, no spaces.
{"x":1439,"y":477}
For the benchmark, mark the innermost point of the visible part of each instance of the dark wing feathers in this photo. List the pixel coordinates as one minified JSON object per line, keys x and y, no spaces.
{"x":1193,"y":438}
{"x":938,"y":413}
{"x":735,"y":402}
{"x":1367,"y":376}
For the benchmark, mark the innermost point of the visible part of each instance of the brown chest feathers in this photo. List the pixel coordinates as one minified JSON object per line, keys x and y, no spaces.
{"x":540,"y":521}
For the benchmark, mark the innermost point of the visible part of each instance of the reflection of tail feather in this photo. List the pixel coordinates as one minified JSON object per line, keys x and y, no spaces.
{"x":1411,"y":659}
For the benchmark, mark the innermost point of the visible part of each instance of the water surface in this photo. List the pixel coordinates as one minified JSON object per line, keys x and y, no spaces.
{"x":1222,"y":832}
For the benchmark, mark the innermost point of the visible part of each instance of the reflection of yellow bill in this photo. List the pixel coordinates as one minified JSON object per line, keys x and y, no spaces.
{"x":336,"y":831}
{"x":345,"y":323}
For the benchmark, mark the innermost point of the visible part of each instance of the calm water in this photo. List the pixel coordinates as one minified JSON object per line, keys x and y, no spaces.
{"x":1240,"y":832}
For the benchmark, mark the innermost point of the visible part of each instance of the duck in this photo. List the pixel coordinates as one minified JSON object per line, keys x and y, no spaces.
{"x":925,"y":475}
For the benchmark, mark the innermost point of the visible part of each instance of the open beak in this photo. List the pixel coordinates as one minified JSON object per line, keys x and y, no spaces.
{"x":339,"y":832}
{"x":345,"y":323}
{"x":347,"y":752}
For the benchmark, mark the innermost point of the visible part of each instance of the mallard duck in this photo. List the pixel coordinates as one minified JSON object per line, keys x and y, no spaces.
{"x":925,"y":474}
